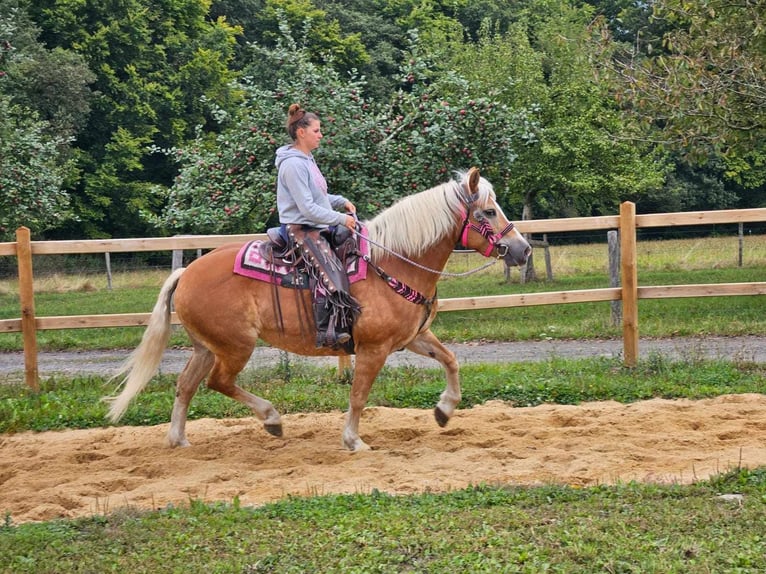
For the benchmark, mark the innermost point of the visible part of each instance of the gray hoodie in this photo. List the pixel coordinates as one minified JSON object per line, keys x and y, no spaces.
{"x":302,"y":191}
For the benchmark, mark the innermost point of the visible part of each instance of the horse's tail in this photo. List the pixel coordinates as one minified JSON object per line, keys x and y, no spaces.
{"x":143,"y":362}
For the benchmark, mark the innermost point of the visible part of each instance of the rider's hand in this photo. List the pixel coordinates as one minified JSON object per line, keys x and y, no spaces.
{"x":350,"y":222}
{"x":350,"y":207}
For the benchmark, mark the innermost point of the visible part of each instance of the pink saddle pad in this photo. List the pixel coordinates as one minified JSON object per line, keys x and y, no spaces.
{"x":251,"y":263}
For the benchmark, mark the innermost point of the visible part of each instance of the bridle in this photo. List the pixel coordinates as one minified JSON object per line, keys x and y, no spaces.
{"x":484,"y":229}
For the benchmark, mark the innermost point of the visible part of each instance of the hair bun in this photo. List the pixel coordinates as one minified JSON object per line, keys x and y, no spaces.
{"x":294,"y":110}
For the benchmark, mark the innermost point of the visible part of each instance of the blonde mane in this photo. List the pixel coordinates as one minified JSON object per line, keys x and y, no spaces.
{"x":414,"y":224}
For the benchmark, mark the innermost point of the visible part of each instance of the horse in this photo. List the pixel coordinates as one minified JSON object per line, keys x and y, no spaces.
{"x":225,"y":314}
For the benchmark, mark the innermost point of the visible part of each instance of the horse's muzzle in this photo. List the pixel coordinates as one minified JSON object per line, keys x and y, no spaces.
{"x":515,"y":255}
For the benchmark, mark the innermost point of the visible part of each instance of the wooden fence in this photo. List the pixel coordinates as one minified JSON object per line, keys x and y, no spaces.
{"x":627,"y":222}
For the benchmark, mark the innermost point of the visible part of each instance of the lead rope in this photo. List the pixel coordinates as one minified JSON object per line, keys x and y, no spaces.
{"x":418,"y":265}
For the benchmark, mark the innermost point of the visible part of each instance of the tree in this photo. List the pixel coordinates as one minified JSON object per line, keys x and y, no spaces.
{"x":371,"y":153}
{"x":54,"y":83}
{"x":226,"y":184}
{"x":703,"y":91}
{"x":578,"y":163}
{"x":34,"y":152}
{"x":322,"y":37}
{"x":384,"y":41}
{"x":158,"y":67}
{"x":31,"y":173}
{"x":441,"y":121}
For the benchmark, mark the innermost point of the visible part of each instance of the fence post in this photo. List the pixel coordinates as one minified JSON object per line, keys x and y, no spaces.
{"x":629,"y":282}
{"x":741,"y":236}
{"x":108,"y":261}
{"x":613,"y":243}
{"x":27,"y":301}
{"x":548,"y":264}
{"x":177,"y":259}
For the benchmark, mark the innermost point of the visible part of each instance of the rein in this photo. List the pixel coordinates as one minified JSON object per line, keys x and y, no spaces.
{"x":418,"y":265}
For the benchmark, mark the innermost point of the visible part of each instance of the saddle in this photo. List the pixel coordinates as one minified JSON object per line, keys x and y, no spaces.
{"x":277,"y":251}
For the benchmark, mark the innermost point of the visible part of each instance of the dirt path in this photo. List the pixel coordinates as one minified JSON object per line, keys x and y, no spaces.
{"x":77,"y":473}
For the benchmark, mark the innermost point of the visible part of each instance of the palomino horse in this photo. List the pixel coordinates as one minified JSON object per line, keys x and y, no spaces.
{"x":225,"y":314}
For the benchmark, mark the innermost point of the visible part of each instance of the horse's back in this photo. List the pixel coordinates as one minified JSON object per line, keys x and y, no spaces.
{"x":214,"y":304}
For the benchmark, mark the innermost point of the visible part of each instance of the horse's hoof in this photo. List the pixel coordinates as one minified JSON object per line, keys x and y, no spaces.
{"x":441,"y":418}
{"x":361,"y":446}
{"x":176,"y":443}
{"x":356,"y":445}
{"x":275,"y":430}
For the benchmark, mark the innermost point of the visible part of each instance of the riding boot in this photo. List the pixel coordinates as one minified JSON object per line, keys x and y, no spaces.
{"x":330,"y":331}
{"x":334,"y":307}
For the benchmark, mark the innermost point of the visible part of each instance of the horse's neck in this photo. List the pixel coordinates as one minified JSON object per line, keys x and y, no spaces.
{"x":421,"y":275}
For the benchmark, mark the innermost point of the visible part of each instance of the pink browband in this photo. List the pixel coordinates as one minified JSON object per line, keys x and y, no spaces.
{"x":485,"y":230}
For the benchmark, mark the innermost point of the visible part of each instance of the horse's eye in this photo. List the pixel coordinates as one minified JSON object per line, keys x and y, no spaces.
{"x":490,"y":213}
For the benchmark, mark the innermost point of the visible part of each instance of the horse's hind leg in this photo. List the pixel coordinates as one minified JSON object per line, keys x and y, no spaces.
{"x":428,"y":345}
{"x":188,"y":381}
{"x":222,"y":379}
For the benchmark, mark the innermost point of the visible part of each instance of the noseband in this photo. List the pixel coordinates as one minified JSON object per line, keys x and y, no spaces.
{"x":485,"y":230}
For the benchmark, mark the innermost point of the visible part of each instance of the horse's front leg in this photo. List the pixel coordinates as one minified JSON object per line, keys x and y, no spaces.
{"x":366,"y":367}
{"x":428,"y":345}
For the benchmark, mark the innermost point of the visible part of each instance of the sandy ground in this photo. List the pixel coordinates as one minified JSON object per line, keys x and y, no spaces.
{"x":77,"y":473}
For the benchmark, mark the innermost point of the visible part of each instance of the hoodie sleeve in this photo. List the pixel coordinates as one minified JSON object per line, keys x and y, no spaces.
{"x":337,"y":201}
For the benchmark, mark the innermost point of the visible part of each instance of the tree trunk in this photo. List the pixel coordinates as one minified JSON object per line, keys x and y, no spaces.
{"x":528,"y":271}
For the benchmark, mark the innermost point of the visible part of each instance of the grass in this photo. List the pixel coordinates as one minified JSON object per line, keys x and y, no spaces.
{"x":75,"y":403}
{"x":709,"y":260}
{"x":628,"y":528}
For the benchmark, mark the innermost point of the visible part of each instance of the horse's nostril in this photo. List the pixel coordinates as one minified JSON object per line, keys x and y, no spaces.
{"x":528,"y":251}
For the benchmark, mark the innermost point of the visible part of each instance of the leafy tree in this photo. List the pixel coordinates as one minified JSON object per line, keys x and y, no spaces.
{"x":384,"y":41}
{"x":158,"y":64}
{"x":441,"y":121}
{"x":372,"y":154}
{"x":34,"y":152}
{"x":227,"y":184}
{"x":498,"y":15}
{"x":54,"y":83}
{"x":704,"y":93}
{"x":322,"y":37}
{"x":581,"y":161}
{"x":31,"y":173}
{"x":689,"y":188}
{"x":435,"y":20}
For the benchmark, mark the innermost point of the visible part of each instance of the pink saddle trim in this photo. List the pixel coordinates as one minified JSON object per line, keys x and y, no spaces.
{"x":250,"y":263}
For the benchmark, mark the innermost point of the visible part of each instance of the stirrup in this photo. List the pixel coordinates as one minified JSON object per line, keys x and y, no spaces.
{"x":332,"y":342}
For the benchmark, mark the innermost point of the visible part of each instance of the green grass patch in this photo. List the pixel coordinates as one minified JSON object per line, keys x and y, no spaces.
{"x":675,"y":262}
{"x":627,"y":528}
{"x":657,"y":318}
{"x":76,"y":403}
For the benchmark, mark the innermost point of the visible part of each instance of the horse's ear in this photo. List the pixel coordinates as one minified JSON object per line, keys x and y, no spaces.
{"x":473,"y":180}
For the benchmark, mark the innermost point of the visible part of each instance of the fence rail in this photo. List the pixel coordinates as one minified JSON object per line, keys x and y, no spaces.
{"x":628,"y":293}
